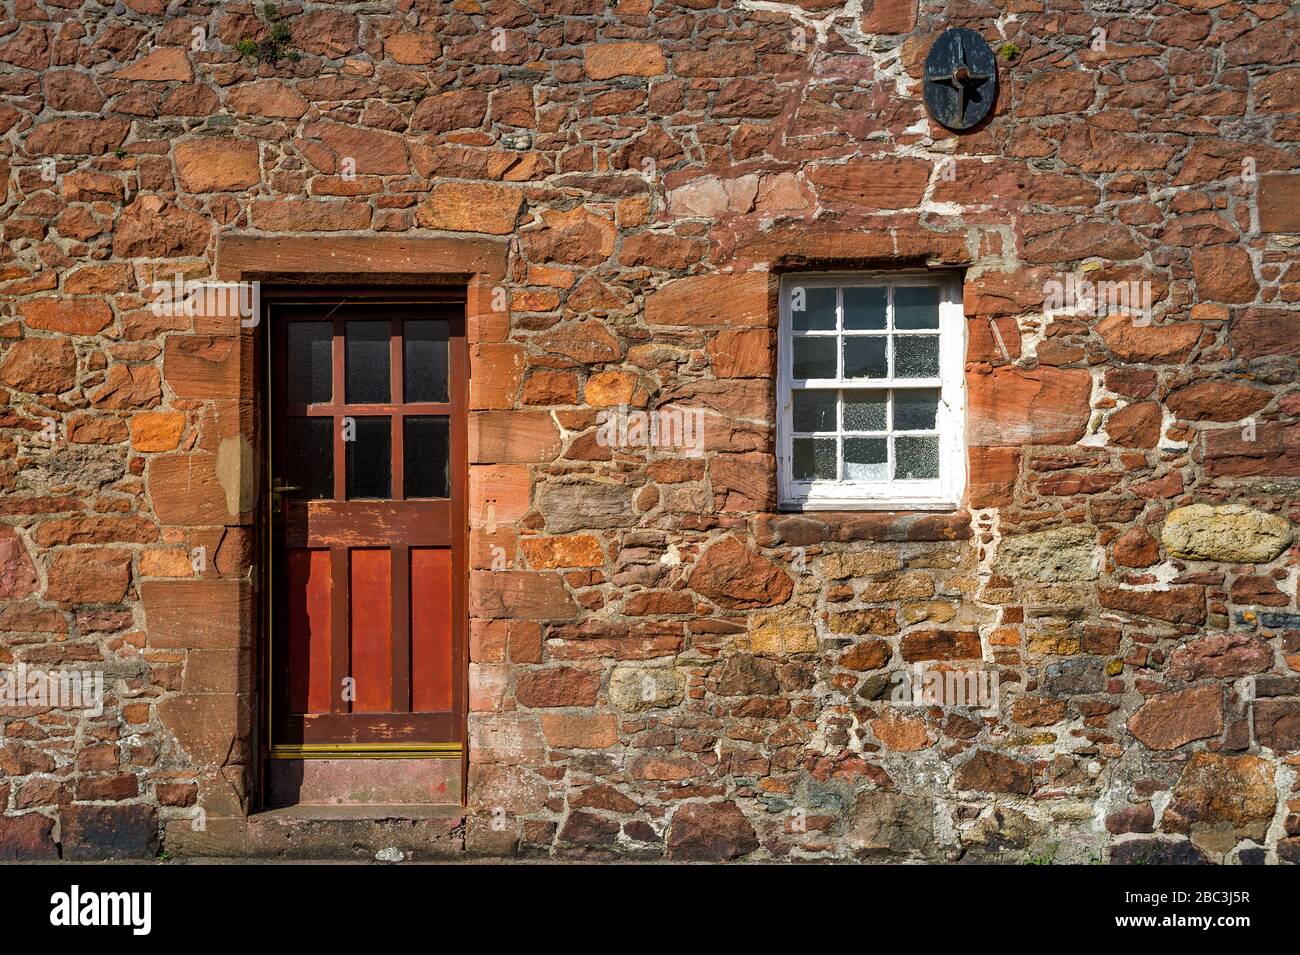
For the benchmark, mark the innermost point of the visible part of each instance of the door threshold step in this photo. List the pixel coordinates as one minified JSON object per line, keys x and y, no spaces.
{"x":362,"y":832}
{"x":367,"y":812}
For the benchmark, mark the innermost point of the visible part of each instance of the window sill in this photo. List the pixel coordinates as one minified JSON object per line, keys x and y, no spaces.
{"x":807,"y":527}
{"x":831,"y":505}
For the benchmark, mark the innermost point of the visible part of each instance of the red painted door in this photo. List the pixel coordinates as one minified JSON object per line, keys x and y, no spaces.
{"x":368,"y":444}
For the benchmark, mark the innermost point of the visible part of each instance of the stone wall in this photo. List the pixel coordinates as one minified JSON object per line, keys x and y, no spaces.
{"x":666,"y":667}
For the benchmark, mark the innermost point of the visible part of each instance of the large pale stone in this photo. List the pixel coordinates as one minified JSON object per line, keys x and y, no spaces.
{"x":1228,"y":532}
{"x":858,"y":564}
{"x":1061,"y":555}
{"x":635,"y":689}
{"x":778,"y":632}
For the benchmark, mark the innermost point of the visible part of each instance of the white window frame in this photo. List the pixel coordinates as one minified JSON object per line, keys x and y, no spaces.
{"x":942,"y":494}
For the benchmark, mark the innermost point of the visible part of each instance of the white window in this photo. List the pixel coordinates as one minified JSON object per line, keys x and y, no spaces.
{"x":871,"y":392}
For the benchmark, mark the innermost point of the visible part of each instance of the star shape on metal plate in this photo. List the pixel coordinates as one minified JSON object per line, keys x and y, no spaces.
{"x":960,"y":77}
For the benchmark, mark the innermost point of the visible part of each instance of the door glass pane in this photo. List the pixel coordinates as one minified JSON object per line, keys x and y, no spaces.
{"x":916,"y":457}
{"x":814,"y":459}
{"x":916,"y":307}
{"x":425,"y":457}
{"x":424,"y":360}
{"x":366,"y":362}
{"x":916,"y":356}
{"x":310,"y":363}
{"x":916,"y":410}
{"x":369,"y":455}
{"x":309,"y":458}
{"x":818,"y":312}
{"x":864,"y":308}
{"x":865,"y":410}
{"x":865,"y":357}
{"x":866,"y":459}
{"x":814,"y":357}
{"x":814,"y":411}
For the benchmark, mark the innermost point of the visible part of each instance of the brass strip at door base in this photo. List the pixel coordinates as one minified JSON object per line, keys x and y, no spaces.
{"x":366,"y":751}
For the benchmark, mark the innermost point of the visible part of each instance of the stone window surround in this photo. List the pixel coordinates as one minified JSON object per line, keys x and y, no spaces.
{"x":894,"y":248}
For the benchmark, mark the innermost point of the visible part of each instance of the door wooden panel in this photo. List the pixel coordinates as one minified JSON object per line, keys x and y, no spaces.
{"x":431,"y":632}
{"x":370,"y":622}
{"x":310,"y":630}
{"x":368,"y":444}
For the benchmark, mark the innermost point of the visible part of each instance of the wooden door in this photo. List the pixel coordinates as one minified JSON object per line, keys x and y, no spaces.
{"x":368,"y":452}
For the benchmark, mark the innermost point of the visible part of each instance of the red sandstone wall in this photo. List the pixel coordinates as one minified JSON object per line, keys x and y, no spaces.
{"x":629,"y":174}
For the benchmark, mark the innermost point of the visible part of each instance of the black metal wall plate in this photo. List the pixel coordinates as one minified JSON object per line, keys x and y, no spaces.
{"x":961,"y":79}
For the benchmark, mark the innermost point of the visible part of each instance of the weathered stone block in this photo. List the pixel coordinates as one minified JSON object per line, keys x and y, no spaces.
{"x":1219,"y":799}
{"x":109,"y":832}
{"x":1010,"y":407}
{"x":27,"y":838}
{"x":1169,"y":720}
{"x":98,"y":575}
{"x":1229,"y":532}
{"x":737,"y":578}
{"x":710,"y":832}
{"x":891,"y":822}
{"x":197,"y":614}
{"x":40,"y":366}
{"x":729,"y":300}
{"x":987,"y":771}
{"x":1277,"y":724}
{"x":636,"y":689}
{"x":781,"y":632}
{"x":1183,"y":605}
{"x":520,"y":595}
{"x":1060,"y":555}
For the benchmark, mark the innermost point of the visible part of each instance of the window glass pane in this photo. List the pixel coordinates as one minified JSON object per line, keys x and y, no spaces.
{"x":916,"y":356}
{"x":865,"y":410}
{"x":366,"y":362}
{"x":916,"y":307}
{"x":424,"y":360}
{"x":818,"y":311}
{"x":861,"y":428}
{"x":309,"y":458}
{"x":865,"y":357}
{"x":916,"y":457}
{"x":916,"y":410}
{"x":814,"y":357}
{"x":814,"y":459}
{"x":866,"y":459}
{"x":310,"y":363}
{"x":814,"y":411}
{"x":425,"y":459}
{"x":864,"y":308}
{"x":369,"y":456}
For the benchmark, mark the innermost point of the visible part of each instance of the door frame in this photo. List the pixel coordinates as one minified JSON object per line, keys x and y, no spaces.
{"x":376,"y":294}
